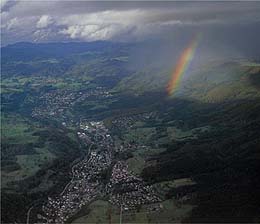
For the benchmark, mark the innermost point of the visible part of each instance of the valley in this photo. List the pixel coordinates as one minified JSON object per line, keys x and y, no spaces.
{"x":86,"y":138}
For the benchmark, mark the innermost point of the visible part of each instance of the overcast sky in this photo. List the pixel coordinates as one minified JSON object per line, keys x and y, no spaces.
{"x":45,"y":21}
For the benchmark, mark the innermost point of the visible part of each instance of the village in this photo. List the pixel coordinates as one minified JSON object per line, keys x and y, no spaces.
{"x":85,"y":184}
{"x":124,"y":189}
{"x":129,"y":191}
{"x":55,"y":103}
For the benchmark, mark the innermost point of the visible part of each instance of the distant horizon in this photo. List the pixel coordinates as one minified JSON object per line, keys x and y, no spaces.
{"x":64,"y":42}
{"x":63,"y":21}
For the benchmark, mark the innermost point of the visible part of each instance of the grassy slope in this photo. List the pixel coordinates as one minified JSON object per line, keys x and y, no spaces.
{"x":16,"y":129}
{"x":103,"y":212}
{"x":230,"y":81}
{"x":146,"y":80}
{"x":18,"y":133}
{"x":212,"y":83}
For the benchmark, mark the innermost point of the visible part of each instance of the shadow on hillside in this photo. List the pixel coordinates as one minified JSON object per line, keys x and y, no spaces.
{"x":255,"y":80}
{"x":224,"y":162}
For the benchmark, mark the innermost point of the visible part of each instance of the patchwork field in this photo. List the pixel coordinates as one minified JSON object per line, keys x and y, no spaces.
{"x":17,"y":130}
{"x":103,"y":212}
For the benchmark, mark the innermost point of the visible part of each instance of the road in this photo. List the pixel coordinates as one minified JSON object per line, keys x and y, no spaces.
{"x":30,"y":209}
{"x":73,"y":174}
{"x":28,"y":215}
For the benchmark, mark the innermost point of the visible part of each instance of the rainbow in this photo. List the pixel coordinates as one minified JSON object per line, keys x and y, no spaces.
{"x":182,"y":65}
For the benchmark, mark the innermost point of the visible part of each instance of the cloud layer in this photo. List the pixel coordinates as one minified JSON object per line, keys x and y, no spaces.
{"x":87,"y":21}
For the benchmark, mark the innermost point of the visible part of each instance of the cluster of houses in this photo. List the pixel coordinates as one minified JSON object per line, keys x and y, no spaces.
{"x":56,"y":102}
{"x":126,"y":122}
{"x":122,"y":188}
{"x":59,"y":209}
{"x":86,"y":183}
{"x":128,"y":191}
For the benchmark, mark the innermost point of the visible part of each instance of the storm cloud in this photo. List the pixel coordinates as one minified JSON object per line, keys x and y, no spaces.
{"x":45,"y":21}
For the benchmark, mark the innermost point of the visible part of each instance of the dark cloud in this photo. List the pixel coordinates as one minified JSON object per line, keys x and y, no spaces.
{"x":122,"y":21}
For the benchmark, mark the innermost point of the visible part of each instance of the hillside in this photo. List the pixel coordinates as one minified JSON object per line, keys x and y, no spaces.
{"x":214,"y":82}
{"x":197,"y":148}
{"x":223,"y":82}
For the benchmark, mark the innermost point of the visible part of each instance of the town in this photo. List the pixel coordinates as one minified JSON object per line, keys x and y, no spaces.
{"x":123,"y":188}
{"x":55,"y":103}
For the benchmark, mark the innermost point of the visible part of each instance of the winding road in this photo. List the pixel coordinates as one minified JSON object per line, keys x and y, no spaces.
{"x":73,"y":175}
